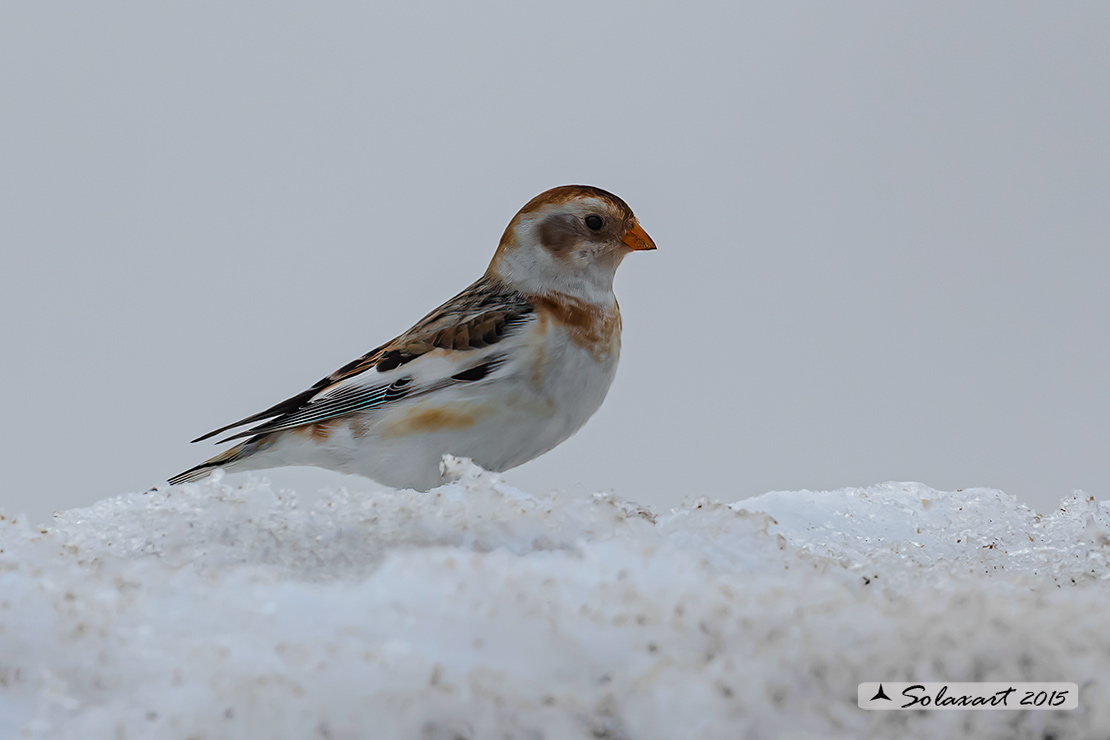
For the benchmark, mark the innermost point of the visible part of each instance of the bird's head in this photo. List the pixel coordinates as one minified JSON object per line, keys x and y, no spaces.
{"x":568,"y":240}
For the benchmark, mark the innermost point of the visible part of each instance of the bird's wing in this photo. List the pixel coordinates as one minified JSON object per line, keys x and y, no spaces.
{"x":466,"y":329}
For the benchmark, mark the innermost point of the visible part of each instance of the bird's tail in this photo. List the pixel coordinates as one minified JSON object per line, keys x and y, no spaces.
{"x":222,"y":460}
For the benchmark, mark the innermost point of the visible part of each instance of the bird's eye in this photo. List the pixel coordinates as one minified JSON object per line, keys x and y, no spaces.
{"x":594,"y":222}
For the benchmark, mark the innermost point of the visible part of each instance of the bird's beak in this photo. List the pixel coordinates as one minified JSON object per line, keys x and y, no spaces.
{"x":637,"y":239}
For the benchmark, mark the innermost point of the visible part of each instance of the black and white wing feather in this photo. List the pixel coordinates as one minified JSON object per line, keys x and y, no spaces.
{"x":456,"y":343}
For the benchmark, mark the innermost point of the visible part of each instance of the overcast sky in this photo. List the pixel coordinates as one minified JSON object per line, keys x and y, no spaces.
{"x":882,"y":228}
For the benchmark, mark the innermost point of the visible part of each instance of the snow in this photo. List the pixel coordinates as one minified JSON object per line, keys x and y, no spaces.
{"x":477,"y":611}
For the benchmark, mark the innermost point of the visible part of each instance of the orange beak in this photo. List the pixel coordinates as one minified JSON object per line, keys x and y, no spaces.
{"x":637,"y":239}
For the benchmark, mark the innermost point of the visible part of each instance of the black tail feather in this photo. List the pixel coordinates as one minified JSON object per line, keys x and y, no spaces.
{"x":221,"y":460}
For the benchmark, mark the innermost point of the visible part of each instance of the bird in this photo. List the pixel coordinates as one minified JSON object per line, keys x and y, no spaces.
{"x":502,"y":373}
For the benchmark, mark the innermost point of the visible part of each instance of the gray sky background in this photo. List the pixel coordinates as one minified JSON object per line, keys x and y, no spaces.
{"x":882,"y":228}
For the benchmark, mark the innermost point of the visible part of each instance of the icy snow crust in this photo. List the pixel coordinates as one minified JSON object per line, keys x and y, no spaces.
{"x":477,"y":611}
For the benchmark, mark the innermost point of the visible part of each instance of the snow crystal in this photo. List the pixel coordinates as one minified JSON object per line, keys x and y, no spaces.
{"x":478,"y":611}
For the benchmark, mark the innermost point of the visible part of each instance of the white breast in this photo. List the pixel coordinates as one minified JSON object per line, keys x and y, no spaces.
{"x":547,"y":389}
{"x":565,"y":385}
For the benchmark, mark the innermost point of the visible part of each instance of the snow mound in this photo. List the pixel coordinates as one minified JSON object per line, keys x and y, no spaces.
{"x":478,"y":611}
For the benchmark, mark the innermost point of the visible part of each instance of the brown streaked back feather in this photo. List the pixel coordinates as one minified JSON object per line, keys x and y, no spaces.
{"x":478,"y":317}
{"x":482,"y":315}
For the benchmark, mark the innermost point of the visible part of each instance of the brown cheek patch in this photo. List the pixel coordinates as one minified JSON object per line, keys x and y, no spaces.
{"x":436,"y":419}
{"x":557,"y":234}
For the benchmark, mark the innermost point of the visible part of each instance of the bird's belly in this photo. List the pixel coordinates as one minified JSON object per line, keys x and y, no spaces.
{"x":500,"y":424}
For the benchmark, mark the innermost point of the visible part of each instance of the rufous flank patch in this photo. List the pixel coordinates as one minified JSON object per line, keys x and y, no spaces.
{"x":441,"y":418}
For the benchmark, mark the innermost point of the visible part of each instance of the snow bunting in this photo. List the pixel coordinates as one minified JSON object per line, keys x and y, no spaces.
{"x":501,"y":373}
